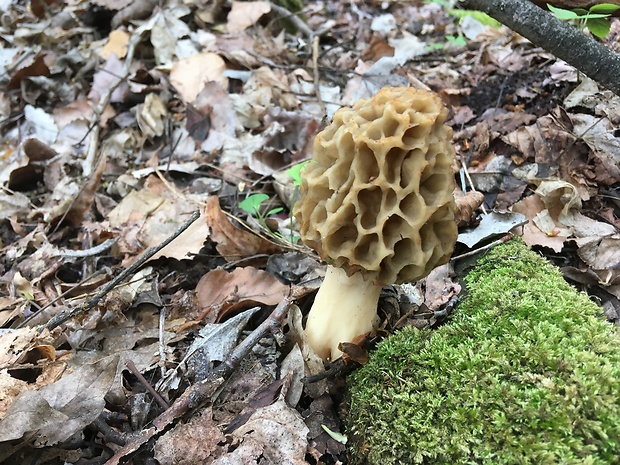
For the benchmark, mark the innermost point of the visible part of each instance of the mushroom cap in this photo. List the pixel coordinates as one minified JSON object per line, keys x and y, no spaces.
{"x":377,"y":198}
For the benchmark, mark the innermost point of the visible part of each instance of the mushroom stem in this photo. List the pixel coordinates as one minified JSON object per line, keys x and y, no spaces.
{"x":344,"y":307}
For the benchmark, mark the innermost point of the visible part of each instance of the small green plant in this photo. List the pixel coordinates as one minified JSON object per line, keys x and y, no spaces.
{"x":295,"y":173}
{"x":252,"y":204}
{"x":479,"y":16}
{"x":460,"y":40}
{"x":457,"y":41}
{"x":596,"y":18}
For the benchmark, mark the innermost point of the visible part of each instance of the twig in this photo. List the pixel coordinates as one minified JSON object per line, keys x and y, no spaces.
{"x":471,"y":185}
{"x":202,"y":391}
{"x":315,"y":65}
{"x":134,"y":370}
{"x":499,"y":241}
{"x":162,"y":342}
{"x":293,"y":18}
{"x":465,"y":171}
{"x":94,"y":300}
{"x":109,"y":433}
{"x":105,"y":245}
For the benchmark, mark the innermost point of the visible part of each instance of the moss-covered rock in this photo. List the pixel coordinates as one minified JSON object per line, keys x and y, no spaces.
{"x":525,"y":372}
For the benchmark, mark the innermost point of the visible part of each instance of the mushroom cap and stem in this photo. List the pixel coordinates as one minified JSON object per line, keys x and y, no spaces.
{"x":377,"y":204}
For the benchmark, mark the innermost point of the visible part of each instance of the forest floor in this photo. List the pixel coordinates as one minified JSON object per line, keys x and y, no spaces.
{"x":119,"y":119}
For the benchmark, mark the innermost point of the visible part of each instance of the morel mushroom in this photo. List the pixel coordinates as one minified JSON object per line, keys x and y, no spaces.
{"x":377,"y":205}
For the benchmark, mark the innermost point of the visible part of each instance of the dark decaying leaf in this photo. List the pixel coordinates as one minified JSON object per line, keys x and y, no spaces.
{"x":59,"y":410}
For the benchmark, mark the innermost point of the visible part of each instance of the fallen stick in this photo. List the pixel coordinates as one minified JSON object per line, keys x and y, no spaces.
{"x":562,"y":39}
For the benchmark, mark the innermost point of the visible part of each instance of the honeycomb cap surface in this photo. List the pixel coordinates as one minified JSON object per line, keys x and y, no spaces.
{"x":377,"y":197}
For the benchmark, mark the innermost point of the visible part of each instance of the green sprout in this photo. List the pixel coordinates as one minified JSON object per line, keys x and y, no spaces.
{"x":460,"y":41}
{"x":479,"y":16}
{"x":596,"y":18}
{"x":295,"y":173}
{"x":252,"y":204}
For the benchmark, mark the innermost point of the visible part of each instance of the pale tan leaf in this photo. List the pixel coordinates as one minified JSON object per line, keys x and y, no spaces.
{"x":245,"y":14}
{"x":189,"y":75}
{"x":116,"y":44}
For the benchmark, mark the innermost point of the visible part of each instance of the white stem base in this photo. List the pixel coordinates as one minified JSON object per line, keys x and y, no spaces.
{"x":344,"y":307}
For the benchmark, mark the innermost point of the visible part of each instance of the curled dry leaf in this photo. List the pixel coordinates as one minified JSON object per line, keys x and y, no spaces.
{"x":466,"y":204}
{"x":151,"y":116}
{"x":139,"y":9}
{"x":234,"y":243}
{"x":31,"y":66}
{"x":15,"y":345}
{"x":601,"y":253}
{"x":531,"y":207}
{"x":84,"y":200}
{"x":221,"y":293}
{"x":440,"y":288}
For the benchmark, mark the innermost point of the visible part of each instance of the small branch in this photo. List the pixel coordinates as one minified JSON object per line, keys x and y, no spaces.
{"x":316,"y":77}
{"x":293,"y":18}
{"x":558,"y":37}
{"x":201,"y":392}
{"x":105,"y":245}
{"x":134,"y":370}
{"x":109,"y":433}
{"x":499,"y":241}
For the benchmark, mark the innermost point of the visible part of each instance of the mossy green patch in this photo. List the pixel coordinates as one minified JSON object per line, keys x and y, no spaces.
{"x":525,"y":372}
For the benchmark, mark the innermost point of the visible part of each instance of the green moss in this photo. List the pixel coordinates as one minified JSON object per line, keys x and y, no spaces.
{"x":525,"y":372}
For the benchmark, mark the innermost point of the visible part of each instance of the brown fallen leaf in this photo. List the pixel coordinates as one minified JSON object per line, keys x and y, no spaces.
{"x":544,"y":141}
{"x":466,"y":204}
{"x":440,"y":288}
{"x":234,"y":243}
{"x":221,"y":293}
{"x":277,"y":433}
{"x":200,"y":440}
{"x":531,"y":207}
{"x":190,"y":74}
{"x":37,"y":66}
{"x":86,"y":196}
